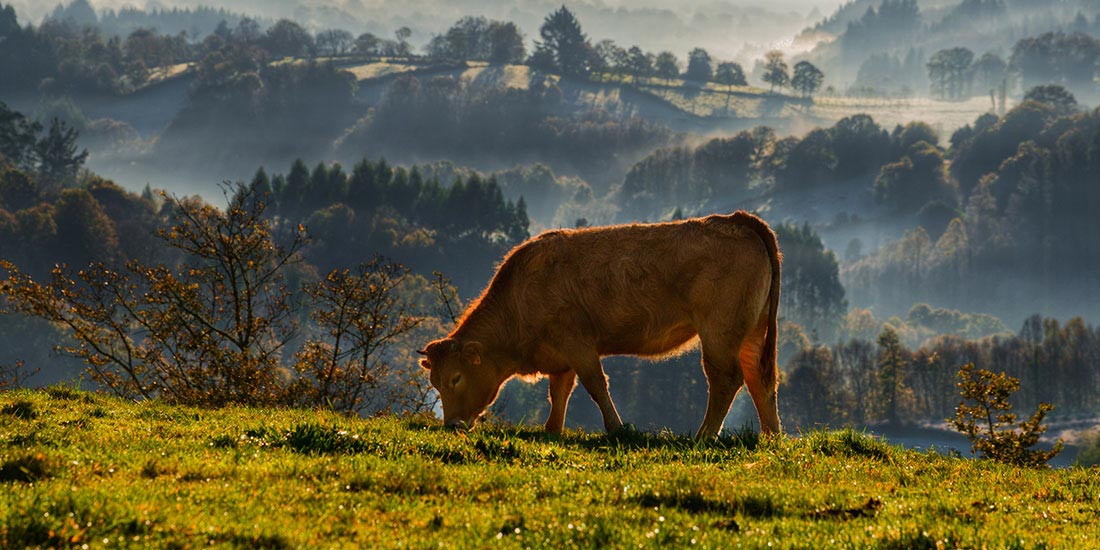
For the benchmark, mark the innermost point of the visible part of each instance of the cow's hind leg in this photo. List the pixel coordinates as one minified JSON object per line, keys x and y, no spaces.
{"x":761,"y":388}
{"x":561,"y":387}
{"x":724,"y":379}
{"x":594,"y":381}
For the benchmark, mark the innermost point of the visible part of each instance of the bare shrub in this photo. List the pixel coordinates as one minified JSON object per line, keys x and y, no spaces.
{"x":215,"y":328}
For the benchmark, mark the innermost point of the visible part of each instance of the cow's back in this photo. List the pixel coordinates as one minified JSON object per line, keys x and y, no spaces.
{"x":632,"y":289}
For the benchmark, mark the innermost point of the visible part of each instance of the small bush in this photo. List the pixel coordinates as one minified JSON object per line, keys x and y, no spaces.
{"x":990,"y":423}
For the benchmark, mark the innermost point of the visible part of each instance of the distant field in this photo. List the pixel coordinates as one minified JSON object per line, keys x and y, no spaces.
{"x":378,"y":70}
{"x":944,"y":116}
{"x":748,"y":102}
{"x":80,"y":469}
{"x":167,"y":72}
{"x":715,"y":101}
{"x":506,"y":76}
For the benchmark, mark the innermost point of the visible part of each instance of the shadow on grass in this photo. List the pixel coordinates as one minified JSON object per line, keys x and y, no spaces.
{"x":848,"y":442}
{"x":26,"y":468}
{"x":756,"y":506}
{"x":626,"y":438}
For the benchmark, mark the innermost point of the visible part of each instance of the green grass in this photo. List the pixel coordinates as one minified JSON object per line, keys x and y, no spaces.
{"x":78,"y":468}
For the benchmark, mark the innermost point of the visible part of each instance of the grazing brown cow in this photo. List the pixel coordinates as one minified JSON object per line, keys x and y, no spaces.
{"x":564,"y":299}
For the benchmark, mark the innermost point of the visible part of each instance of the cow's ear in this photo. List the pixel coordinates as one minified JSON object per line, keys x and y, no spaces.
{"x":472,"y":352}
{"x":425,"y":364}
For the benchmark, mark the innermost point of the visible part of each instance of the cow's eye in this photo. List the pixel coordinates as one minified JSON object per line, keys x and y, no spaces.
{"x":456,"y":378}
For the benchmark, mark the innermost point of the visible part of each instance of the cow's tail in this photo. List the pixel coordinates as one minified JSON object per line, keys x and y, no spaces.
{"x":769,"y":372}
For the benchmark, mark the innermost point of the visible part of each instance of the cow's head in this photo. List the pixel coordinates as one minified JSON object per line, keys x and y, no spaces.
{"x":466,"y":386}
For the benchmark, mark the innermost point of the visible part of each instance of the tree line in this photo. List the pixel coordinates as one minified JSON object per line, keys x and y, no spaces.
{"x":863,"y":382}
{"x":1068,"y":60}
{"x":871,"y":380}
{"x":565,"y":49}
{"x":71,"y":53}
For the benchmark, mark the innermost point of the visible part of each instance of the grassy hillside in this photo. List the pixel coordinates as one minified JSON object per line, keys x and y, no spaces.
{"x":79,"y":469}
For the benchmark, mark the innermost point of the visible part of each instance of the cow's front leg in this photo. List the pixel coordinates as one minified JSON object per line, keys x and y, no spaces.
{"x":595,"y":381}
{"x":561,"y":387}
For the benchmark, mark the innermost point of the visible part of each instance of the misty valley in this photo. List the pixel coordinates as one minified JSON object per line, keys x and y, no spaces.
{"x":211,"y":209}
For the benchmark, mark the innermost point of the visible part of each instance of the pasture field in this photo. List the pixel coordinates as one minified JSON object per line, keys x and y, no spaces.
{"x":83,"y":470}
{"x":710,"y":102}
{"x":380,"y":69}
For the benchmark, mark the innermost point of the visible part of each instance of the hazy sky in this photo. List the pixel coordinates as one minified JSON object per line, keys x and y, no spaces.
{"x":40,"y":7}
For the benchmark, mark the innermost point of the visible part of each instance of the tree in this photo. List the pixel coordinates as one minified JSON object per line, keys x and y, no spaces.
{"x":775,"y":70}
{"x":84,"y":231}
{"x":893,"y":368}
{"x":638,"y":63}
{"x":248,"y":31}
{"x":609,"y":57}
{"x":18,"y":138}
{"x":666,"y":66}
{"x":699,"y":67}
{"x":1053,"y":95}
{"x":811,"y":394}
{"x":467,"y":39}
{"x":505,"y":43}
{"x":730,"y":74}
{"x":58,"y":160}
{"x":916,"y":179}
{"x":991,"y":426}
{"x":563,"y":38}
{"x":989,"y":71}
{"x":17,"y":189}
{"x":807,"y":78}
{"x":1058,"y":58}
{"x":360,"y":316}
{"x":402,"y":49}
{"x":812,"y":294}
{"x":367,"y":44}
{"x":144,"y":46}
{"x":288,"y":39}
{"x":78,"y":13}
{"x":949,"y":71}
{"x":334,"y":42}
{"x":860,"y":145}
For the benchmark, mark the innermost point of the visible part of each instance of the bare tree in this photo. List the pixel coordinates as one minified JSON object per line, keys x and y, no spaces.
{"x":360,"y":316}
{"x":208,"y":331}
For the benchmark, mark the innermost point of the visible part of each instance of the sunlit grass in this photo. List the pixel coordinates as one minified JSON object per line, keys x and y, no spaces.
{"x":498,"y":76}
{"x":379,"y":69}
{"x":82,"y":469}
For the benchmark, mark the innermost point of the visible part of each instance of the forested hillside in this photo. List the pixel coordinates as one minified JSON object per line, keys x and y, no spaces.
{"x":956,"y":49}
